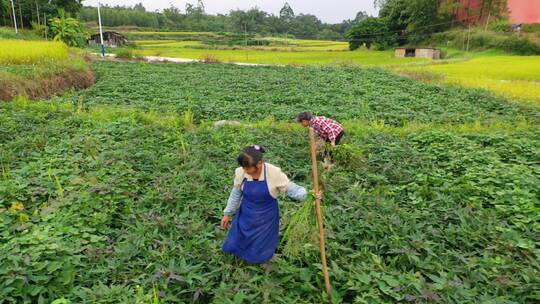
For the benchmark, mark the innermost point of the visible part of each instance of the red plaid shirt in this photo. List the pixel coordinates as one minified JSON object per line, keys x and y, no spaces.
{"x":326,"y":128}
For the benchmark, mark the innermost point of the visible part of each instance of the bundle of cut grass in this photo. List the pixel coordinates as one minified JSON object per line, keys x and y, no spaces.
{"x":301,"y":238}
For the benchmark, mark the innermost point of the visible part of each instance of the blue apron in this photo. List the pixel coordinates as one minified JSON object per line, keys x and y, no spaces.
{"x":255,"y":229}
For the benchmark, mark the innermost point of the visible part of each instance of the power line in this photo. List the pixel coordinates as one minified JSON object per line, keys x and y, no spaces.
{"x":420,"y":27}
{"x":401,"y":36}
{"x":373,"y":39}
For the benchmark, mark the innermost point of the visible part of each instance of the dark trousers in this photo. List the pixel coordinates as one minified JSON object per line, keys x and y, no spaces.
{"x":328,"y":151}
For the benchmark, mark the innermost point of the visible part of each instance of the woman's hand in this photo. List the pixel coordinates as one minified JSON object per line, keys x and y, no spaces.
{"x":225,"y":222}
{"x":319,"y":195}
{"x":319,"y":144}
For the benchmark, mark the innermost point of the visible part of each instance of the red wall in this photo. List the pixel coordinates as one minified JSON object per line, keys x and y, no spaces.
{"x":521,"y":11}
{"x":524,"y":11}
{"x":470,"y":9}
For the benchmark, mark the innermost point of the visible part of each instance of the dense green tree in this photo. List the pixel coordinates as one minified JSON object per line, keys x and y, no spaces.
{"x":194,"y":18}
{"x":27,"y":11}
{"x":68,"y":30}
{"x":253,"y":21}
{"x":371,"y":32}
{"x":286,"y":18}
{"x":306,"y":26}
{"x":329,"y":34}
{"x":412,"y":20}
{"x":116,"y":16}
{"x":139,"y":7}
{"x":424,"y":20}
{"x":497,"y":9}
{"x":173,"y":17}
{"x":343,"y":27}
{"x":5,"y":15}
{"x":494,"y":8}
{"x":360,"y":16}
{"x":274,"y":24}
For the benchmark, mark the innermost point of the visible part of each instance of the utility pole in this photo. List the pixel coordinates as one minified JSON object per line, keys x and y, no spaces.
{"x":100,"y":32}
{"x":46,"y":27}
{"x":20,"y":14}
{"x":37,"y":9}
{"x":14,"y":19}
{"x":463,"y":44}
{"x":487,"y":21}
{"x":468,"y":36}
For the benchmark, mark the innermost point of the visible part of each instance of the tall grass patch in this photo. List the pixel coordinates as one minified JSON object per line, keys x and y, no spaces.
{"x":478,"y":39}
{"x":41,"y":69}
{"x":514,"y":76}
{"x":29,"y":52}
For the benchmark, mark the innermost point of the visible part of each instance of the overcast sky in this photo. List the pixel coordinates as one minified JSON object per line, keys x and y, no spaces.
{"x":331,"y":11}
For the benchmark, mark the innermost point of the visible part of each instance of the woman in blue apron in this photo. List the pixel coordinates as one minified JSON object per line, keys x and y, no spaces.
{"x":254,"y":232}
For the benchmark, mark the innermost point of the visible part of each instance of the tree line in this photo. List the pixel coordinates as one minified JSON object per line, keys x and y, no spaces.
{"x":403,"y":22}
{"x":194,"y":18}
{"x":399,"y":22}
{"x":31,"y":13}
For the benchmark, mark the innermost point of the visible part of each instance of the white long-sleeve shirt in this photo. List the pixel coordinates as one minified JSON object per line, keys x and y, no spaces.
{"x":277,"y":183}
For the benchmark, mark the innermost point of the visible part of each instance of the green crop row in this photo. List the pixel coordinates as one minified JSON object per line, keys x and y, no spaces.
{"x":123,"y":207}
{"x":223,"y":91}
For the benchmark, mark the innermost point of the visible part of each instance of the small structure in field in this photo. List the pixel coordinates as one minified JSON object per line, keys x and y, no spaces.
{"x":418,"y":52}
{"x":111,"y":39}
{"x":517,"y":27}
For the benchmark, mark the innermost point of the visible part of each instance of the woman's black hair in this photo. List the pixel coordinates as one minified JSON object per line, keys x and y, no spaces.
{"x":251,"y":156}
{"x":304,"y":116}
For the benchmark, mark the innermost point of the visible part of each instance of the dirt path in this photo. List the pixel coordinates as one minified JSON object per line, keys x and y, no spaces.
{"x":174,"y":60}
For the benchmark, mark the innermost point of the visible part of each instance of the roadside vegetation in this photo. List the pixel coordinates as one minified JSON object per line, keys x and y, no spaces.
{"x":41,"y":69}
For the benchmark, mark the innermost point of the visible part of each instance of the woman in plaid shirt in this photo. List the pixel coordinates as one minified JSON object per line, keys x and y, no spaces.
{"x":328,"y":129}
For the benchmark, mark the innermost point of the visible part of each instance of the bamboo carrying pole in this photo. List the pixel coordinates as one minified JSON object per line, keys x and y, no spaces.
{"x":318,"y":209}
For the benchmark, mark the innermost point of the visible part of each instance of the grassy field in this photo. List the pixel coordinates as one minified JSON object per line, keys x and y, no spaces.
{"x":280,"y":51}
{"x":290,"y":45}
{"x":165,"y":43}
{"x":514,"y":76}
{"x":480,"y":39}
{"x":29,"y":52}
{"x":113,"y":194}
{"x":26,"y":34}
{"x":171,"y":34}
{"x":362,"y":57}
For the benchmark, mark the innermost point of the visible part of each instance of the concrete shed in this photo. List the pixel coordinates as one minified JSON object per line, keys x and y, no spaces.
{"x":418,"y":52}
{"x":112,"y":39}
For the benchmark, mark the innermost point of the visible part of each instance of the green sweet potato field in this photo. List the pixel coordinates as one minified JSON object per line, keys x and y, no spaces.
{"x":114,"y":194}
